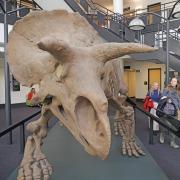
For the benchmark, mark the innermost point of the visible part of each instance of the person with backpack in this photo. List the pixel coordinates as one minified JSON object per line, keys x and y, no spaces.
{"x":170,"y":107}
{"x":178,"y":92}
{"x":155,"y":95}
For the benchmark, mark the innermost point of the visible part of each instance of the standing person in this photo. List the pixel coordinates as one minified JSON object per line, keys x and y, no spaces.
{"x":176,"y":75}
{"x":178,"y":92}
{"x":171,"y":92}
{"x":155,"y":94}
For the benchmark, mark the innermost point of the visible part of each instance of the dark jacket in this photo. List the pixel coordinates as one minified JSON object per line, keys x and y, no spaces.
{"x":173,"y":95}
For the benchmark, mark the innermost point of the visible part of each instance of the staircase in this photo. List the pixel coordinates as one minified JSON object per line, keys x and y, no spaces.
{"x":28,"y":5}
{"x":113,"y":27}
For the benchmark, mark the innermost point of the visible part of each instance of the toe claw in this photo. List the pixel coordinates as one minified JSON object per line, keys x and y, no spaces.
{"x":27,"y":171}
{"x":36,"y":170}
{"x":20,"y":178}
{"x":48,"y":166}
{"x":135,"y":153}
{"x":21,"y":174}
{"x":46,"y":177}
{"x":28,"y":178}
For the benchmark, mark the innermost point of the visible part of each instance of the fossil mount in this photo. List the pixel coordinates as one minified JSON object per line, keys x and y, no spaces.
{"x":78,"y":77}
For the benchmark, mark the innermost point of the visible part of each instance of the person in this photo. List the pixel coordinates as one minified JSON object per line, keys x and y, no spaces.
{"x":171,"y":92}
{"x":30,"y":96}
{"x":155,"y":94}
{"x":176,"y":75}
{"x":178,"y":92}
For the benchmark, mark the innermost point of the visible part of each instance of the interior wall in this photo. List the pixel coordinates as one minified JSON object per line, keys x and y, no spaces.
{"x":142,"y":76}
{"x":53,"y":4}
{"x":134,"y":4}
{"x":16,"y":96}
{"x":141,"y":4}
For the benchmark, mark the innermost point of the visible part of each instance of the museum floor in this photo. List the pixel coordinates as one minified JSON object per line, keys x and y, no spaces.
{"x":71,"y":162}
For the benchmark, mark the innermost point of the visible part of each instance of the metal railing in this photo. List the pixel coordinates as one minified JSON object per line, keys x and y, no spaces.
{"x":28,"y":3}
{"x":9,"y":8}
{"x":18,"y":6}
{"x":161,"y":121}
{"x":164,"y":10}
{"x":175,"y":123}
{"x":109,"y":16}
{"x":21,"y":126}
{"x":118,"y":24}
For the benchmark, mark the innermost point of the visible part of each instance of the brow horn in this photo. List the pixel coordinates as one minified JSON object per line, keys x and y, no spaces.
{"x":108,"y":51}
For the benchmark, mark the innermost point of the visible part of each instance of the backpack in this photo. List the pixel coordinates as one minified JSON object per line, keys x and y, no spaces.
{"x":148,"y":103}
{"x":160,"y":108}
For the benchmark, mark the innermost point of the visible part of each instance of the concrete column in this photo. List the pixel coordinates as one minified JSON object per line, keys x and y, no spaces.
{"x":118,"y":6}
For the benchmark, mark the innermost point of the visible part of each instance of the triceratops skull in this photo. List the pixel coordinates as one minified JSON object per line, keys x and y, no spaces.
{"x":62,"y":53}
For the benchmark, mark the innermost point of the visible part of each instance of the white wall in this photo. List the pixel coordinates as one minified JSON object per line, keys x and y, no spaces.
{"x":16,"y":96}
{"x":142,"y":76}
{"x":53,"y":4}
{"x":141,"y":4}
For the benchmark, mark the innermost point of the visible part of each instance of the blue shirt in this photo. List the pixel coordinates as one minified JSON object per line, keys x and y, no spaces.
{"x":155,"y":95}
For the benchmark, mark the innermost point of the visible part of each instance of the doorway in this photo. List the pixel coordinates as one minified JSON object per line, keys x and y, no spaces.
{"x":130,"y":81}
{"x":154,"y":75}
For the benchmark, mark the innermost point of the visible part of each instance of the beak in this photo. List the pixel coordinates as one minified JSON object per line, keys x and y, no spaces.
{"x":94,"y":128}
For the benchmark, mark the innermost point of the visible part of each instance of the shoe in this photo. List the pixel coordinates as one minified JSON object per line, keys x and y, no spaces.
{"x":174,"y":145}
{"x":161,"y":139}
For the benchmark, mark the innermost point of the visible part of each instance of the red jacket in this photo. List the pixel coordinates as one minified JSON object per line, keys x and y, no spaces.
{"x":148,"y":103}
{"x":30,"y":95}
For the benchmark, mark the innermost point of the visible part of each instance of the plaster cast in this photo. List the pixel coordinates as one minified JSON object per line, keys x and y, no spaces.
{"x":77,"y":77}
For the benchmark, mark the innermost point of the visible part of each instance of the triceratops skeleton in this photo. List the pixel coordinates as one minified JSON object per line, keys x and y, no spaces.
{"x":72,"y":64}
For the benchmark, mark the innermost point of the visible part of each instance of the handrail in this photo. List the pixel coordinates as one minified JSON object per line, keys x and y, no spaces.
{"x":37,"y":5}
{"x":21,"y":8}
{"x":20,"y":124}
{"x":164,"y":8}
{"x":172,"y":120}
{"x":106,"y":9}
{"x":12,"y":127}
{"x":32,"y":2}
{"x":124,"y":21}
{"x":136,"y":10}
